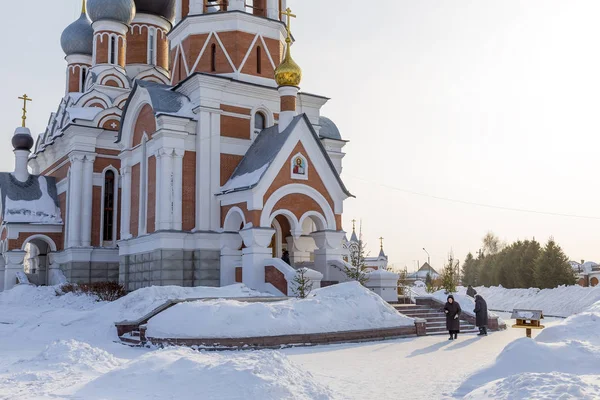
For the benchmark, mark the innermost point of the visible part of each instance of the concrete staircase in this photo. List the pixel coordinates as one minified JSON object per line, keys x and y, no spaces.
{"x":436,"y":319}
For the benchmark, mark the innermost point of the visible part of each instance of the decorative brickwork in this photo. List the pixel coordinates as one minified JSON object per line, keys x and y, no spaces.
{"x":146,"y":123}
{"x":189,"y":191}
{"x":298,"y":204}
{"x":250,"y":216}
{"x":238,"y":128}
{"x":276,"y":278}
{"x":137,"y":44}
{"x":101,"y":163}
{"x":17,"y":244}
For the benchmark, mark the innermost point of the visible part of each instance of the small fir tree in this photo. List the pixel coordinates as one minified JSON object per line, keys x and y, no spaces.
{"x":449,"y":275}
{"x":469,"y":271}
{"x":356,"y":270}
{"x":302,"y":284}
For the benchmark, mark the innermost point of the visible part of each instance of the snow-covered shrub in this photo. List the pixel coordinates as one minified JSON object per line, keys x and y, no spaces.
{"x":104,"y":291}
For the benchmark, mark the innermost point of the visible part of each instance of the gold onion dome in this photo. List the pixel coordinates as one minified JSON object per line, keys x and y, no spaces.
{"x":288,"y":73}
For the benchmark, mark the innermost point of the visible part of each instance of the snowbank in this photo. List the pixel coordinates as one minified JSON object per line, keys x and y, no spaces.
{"x":344,"y":307}
{"x":562,"y":301}
{"x":182,"y":373}
{"x":571,"y":347}
{"x":540,"y":387}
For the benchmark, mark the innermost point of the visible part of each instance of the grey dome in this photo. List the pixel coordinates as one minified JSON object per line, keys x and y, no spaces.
{"x":113,"y":10}
{"x":162,"y":8}
{"x":22,"y":139}
{"x":78,"y":37}
{"x":328,"y":129}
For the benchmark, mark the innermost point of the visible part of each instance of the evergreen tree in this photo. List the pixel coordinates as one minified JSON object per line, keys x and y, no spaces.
{"x":356,"y":270}
{"x":303,"y":286}
{"x":526,"y":270}
{"x":552,"y":267}
{"x":449,"y":275}
{"x":469,"y":271}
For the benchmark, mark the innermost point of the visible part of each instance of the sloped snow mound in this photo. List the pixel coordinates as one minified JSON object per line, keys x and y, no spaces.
{"x":69,"y":354}
{"x":584,"y":327}
{"x":140,"y":302}
{"x":531,"y":386}
{"x":62,"y":366}
{"x":182,"y":373}
{"x":39,"y":296}
{"x":343,"y":307}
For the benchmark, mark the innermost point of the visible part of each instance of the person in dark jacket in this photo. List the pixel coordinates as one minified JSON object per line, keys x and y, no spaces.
{"x":471,"y":292}
{"x":286,"y":257}
{"x":452,"y":310}
{"x":481,"y":315}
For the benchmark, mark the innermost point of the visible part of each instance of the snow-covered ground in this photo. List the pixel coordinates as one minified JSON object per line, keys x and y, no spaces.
{"x":344,"y":307}
{"x":62,"y":347}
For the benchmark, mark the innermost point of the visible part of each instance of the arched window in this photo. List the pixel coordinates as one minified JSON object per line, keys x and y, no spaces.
{"x":113,"y":50}
{"x":213,"y":58}
{"x":109,"y":205}
{"x":260,"y":122}
{"x":83,"y":76}
{"x":258,"y":60}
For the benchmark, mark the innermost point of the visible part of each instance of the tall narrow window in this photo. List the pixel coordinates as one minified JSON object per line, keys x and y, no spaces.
{"x":258,"y":60}
{"x":259,"y":122}
{"x":151,"y":46}
{"x":213,"y":58}
{"x":109,"y":205}
{"x":83,"y":76}
{"x":113,"y":50}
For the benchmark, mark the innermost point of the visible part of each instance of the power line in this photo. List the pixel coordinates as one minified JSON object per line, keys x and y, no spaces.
{"x":471,"y":203}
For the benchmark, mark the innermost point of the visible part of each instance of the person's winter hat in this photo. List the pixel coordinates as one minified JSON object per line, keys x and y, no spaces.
{"x":450,"y":297}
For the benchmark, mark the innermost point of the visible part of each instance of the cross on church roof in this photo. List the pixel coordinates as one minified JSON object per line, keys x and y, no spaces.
{"x":288,"y":13}
{"x":25,"y":100}
{"x":381,"y":241}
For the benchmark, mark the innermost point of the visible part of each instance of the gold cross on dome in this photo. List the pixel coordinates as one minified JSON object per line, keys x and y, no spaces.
{"x":381,"y":241}
{"x":25,"y":100}
{"x":288,"y":13}
{"x":353,"y":224}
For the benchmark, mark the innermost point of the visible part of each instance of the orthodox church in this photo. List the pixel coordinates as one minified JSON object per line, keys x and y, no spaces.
{"x":182,"y":153}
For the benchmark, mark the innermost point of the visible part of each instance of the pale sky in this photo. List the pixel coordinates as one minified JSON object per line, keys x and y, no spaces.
{"x":483,"y":101}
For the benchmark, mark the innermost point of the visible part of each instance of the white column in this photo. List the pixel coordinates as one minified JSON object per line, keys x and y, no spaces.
{"x":329,"y":245}
{"x":14,"y":264}
{"x":273,"y":9}
{"x":86,"y":207}
{"x":21,"y":172}
{"x":203,"y":172}
{"x":166,"y":194}
{"x":178,"y":189}
{"x":214,"y":215}
{"x":257,"y":250}
{"x":125,"y":201}
{"x":2,"y":272}
{"x":299,"y":248}
{"x":157,"y":177}
{"x":75,"y":197}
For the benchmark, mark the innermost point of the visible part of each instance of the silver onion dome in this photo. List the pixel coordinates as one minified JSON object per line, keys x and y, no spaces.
{"x":162,"y":8}
{"x":78,"y":37}
{"x":113,"y":10}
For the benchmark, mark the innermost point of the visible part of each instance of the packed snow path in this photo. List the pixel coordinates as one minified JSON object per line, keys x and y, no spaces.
{"x":427,"y":368}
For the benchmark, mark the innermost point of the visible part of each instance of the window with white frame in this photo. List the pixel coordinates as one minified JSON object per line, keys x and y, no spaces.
{"x":83,"y":75}
{"x":260,"y":122}
{"x":108,"y":210}
{"x":151,"y":46}
{"x":113,"y":50}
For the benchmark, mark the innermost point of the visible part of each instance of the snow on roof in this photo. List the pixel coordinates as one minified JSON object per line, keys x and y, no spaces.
{"x":86,"y":113}
{"x":248,"y":179}
{"x":34,"y":201}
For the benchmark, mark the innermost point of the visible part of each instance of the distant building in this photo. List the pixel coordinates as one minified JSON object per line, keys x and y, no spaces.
{"x":379,"y":262}
{"x":421,"y":274}
{"x":588,"y":273}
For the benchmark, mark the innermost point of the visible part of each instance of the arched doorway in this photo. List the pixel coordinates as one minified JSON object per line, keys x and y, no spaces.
{"x":284,"y":223}
{"x":36,"y":263}
{"x":231,"y":247}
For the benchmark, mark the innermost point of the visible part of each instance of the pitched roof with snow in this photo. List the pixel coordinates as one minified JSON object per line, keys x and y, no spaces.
{"x":32,"y":202}
{"x":262,"y":153}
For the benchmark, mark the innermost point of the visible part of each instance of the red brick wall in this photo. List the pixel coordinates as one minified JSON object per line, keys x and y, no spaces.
{"x":101,"y":49}
{"x":62,"y":202}
{"x":96,"y":215}
{"x":238,"y":275}
{"x":135,"y":199}
{"x":145,"y":123}
{"x":235,"y":109}
{"x":137,"y":45}
{"x":235,"y":127}
{"x":285,"y":227}
{"x":189,"y":191}
{"x":119,"y":217}
{"x":276,"y":278}
{"x":74,"y":78}
{"x":57,"y":163}
{"x":151,"y":210}
{"x":101,"y":163}
{"x":162,"y":51}
{"x":251,"y":216}
{"x":228,"y":164}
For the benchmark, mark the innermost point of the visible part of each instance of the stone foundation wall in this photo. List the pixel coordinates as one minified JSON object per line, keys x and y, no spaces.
{"x":90,"y":272}
{"x":164,"y":267}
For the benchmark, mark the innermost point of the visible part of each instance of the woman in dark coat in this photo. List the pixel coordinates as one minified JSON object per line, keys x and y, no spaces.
{"x":481,"y":315}
{"x":452,"y":310}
